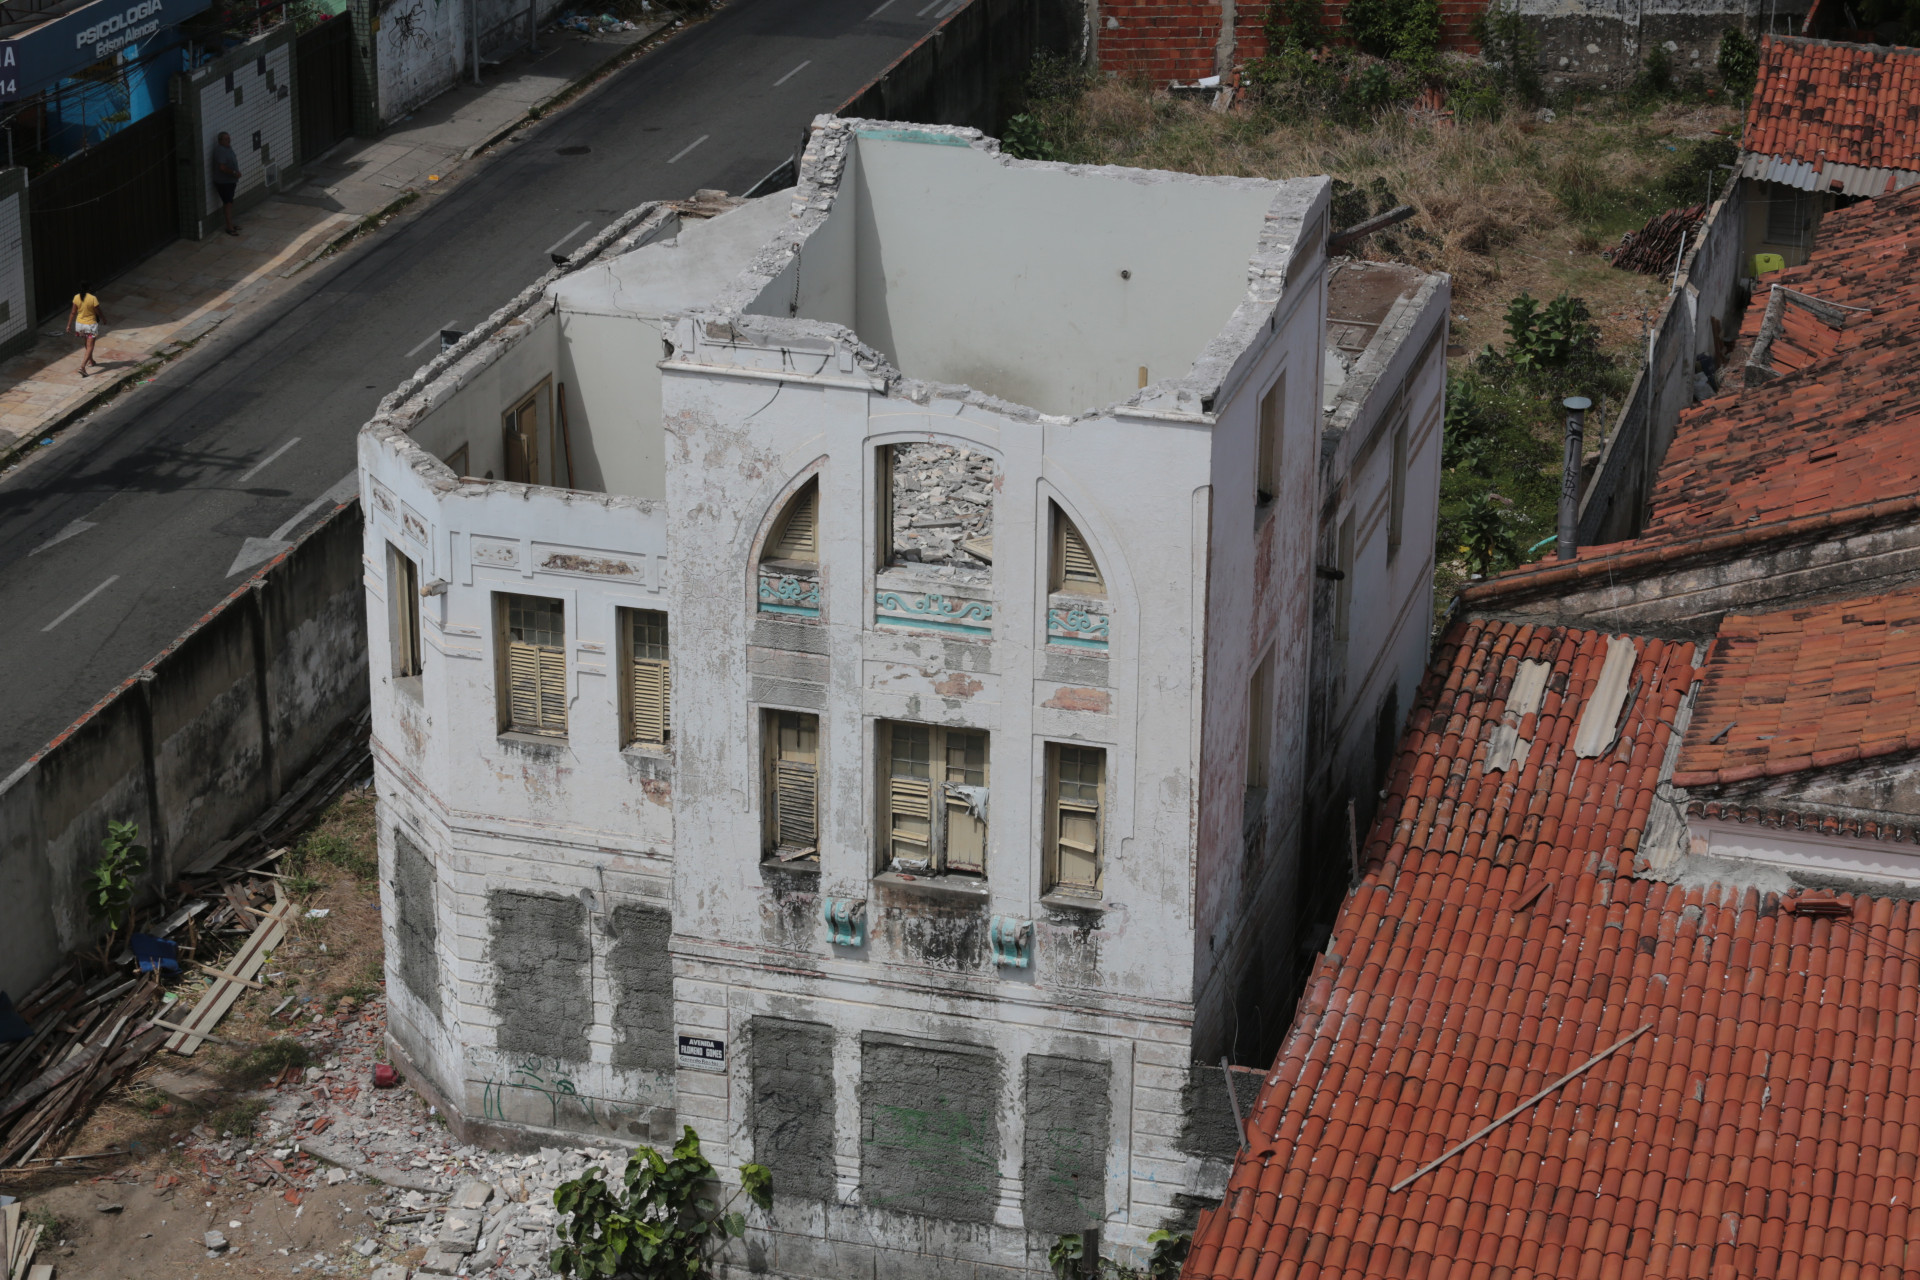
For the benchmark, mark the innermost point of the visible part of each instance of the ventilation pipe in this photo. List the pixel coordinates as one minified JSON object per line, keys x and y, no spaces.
{"x":1569,"y":540}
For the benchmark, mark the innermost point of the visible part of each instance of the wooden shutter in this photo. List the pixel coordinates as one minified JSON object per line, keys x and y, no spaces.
{"x":523,"y":685}
{"x":1076,"y":561}
{"x":1079,"y":844}
{"x":651,"y":697}
{"x":795,"y":795}
{"x":966,"y":837}
{"x":798,"y":535}
{"x":553,"y":690}
{"x":910,"y":819}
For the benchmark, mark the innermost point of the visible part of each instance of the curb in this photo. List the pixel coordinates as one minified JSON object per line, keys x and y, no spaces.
{"x":539,"y":109}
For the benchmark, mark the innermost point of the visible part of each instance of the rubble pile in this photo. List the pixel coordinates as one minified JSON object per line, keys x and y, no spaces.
{"x":943,"y":506}
{"x":1654,"y":250}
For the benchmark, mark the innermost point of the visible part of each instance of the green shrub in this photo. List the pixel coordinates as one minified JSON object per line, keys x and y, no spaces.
{"x":111,"y":883}
{"x":1023,"y":139}
{"x":1510,"y":49}
{"x":1407,"y":31}
{"x":326,"y":848}
{"x":663,"y":1224}
{"x":1295,"y":22}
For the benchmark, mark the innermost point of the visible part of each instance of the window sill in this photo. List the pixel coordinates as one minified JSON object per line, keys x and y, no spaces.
{"x":413,"y":687}
{"x":807,"y":868}
{"x":951,"y":886}
{"x":541,"y":743}
{"x":1069,"y":900}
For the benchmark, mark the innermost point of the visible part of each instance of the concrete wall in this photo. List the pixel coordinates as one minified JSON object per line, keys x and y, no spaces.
{"x":423,"y":47}
{"x":248,"y":93}
{"x":971,"y":69}
{"x":16,"y":264}
{"x":1699,"y":313}
{"x":193,"y":747}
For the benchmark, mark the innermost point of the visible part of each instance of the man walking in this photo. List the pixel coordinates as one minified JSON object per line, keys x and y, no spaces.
{"x":84,"y":320}
{"x":226,"y":177}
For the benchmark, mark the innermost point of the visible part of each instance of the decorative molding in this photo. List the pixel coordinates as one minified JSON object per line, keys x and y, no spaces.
{"x":846,"y":921}
{"x":790,"y":594}
{"x":1077,"y":627}
{"x":1012,"y":941}
{"x":933,"y":611}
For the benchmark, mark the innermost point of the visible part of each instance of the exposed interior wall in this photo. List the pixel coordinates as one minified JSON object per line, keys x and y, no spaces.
{"x":610,"y":366}
{"x":500,"y":373}
{"x":192,"y":748}
{"x":1009,"y":278}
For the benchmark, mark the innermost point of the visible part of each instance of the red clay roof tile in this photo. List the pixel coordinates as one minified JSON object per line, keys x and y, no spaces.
{"x":1847,"y":103}
{"x":1770,"y":1131}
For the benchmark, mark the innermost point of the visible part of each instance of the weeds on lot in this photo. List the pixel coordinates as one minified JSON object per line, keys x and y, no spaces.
{"x":263,"y":1062}
{"x":237,"y":1118}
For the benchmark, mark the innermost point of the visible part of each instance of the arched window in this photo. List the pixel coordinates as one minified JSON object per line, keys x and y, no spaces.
{"x":1076,"y":590}
{"x":1073,"y":564}
{"x":789,"y":578}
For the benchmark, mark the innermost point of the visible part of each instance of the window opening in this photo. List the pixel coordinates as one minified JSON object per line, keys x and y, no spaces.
{"x":938,"y":507}
{"x":1397,"y":486}
{"x":1077,"y":792}
{"x":935,"y":799}
{"x":536,"y":665}
{"x":649,"y":678}
{"x":793,"y":785}
{"x":1260,"y":721}
{"x":1272,"y":421}
{"x":521,"y":427}
{"x":1074,"y":568}
{"x":403,"y":607}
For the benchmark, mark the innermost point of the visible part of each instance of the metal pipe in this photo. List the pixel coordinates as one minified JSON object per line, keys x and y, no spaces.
{"x":1569,"y":539}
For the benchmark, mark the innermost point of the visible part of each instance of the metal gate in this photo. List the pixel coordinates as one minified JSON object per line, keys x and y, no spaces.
{"x":323,"y":81}
{"x":97,"y":213}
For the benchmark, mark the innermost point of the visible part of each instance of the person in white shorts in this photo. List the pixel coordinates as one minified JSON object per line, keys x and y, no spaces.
{"x":84,"y":319}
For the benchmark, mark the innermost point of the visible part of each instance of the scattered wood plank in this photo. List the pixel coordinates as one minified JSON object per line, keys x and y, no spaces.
{"x":220,"y":997}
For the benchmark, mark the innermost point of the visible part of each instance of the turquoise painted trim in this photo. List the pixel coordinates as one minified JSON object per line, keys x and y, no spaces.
{"x":790,"y":608}
{"x":912,"y":135}
{"x":1078,"y":644}
{"x":927,"y":624}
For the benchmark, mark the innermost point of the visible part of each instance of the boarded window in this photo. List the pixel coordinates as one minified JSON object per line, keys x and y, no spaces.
{"x":1260,"y":721}
{"x":1076,"y":796}
{"x":792,"y":743}
{"x":522,"y":426}
{"x":934,"y":797}
{"x":1272,"y":423}
{"x":1074,"y":568}
{"x":649,"y":684}
{"x":797,"y":536}
{"x":403,"y":612}
{"x":533,"y":643}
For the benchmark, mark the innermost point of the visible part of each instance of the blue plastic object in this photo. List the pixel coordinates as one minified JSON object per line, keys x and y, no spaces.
{"x":154,"y":955}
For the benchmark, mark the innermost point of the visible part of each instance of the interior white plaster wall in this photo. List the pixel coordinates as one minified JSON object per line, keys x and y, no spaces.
{"x":1006,"y":276}
{"x":492,"y":379}
{"x":611,"y":367}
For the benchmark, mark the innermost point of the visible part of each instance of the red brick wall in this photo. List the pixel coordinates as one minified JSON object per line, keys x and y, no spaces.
{"x":1177,"y":39}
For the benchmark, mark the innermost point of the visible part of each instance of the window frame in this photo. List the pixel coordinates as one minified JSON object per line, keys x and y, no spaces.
{"x":1260,"y":722}
{"x":1055,"y":807}
{"x":808,"y":492}
{"x":1398,"y":461}
{"x":550,"y":673}
{"x":771,"y":758}
{"x":403,"y":614}
{"x":1058,"y":581}
{"x":1343,"y":587}
{"x":632,"y":732}
{"x":939,"y":813}
{"x":1270,"y":447}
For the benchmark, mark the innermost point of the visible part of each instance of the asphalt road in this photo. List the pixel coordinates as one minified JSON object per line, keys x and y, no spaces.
{"x":114,"y":541}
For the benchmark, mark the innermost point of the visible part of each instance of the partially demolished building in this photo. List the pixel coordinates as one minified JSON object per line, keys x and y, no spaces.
{"x":842,"y":679}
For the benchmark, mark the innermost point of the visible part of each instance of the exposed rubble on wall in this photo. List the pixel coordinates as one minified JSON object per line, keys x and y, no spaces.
{"x":943,"y":506}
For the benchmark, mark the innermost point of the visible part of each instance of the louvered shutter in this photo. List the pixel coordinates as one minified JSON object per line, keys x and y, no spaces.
{"x":1079,"y":861}
{"x":651,"y":693}
{"x":794,"y":784}
{"x":797,"y":537}
{"x":966,"y":837}
{"x":523,"y":685}
{"x":1076,"y":562}
{"x":910,"y":829}
{"x":553,"y":690}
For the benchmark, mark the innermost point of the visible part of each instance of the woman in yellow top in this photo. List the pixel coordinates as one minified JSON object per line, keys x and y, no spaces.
{"x":85,"y":318}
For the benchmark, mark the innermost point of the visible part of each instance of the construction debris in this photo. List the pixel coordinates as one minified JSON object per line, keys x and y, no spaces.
{"x":1654,"y":250}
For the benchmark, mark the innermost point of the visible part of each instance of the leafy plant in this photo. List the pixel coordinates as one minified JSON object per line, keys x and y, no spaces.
{"x":1169,"y":1253}
{"x":1065,"y":1256}
{"x":1549,"y":337}
{"x":1295,"y":22}
{"x":1023,"y":139}
{"x":1487,"y":535}
{"x":661,"y":1223}
{"x":110,"y":884}
{"x":1405,"y":30}
{"x":1656,"y":75}
{"x":1510,"y":48}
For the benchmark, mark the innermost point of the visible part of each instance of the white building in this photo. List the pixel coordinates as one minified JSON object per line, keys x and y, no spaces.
{"x":862,"y":709}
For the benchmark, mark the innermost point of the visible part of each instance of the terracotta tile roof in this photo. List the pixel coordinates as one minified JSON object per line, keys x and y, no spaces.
{"x":1833,"y":441}
{"x":1807,"y":688}
{"x":1818,"y":101}
{"x":1855,"y":828}
{"x":1766,"y":1126}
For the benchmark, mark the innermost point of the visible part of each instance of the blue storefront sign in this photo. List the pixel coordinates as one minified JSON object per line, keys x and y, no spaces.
{"x":63,"y":45}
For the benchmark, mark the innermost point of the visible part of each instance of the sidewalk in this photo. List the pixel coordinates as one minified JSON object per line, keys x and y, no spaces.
{"x":179,"y":294}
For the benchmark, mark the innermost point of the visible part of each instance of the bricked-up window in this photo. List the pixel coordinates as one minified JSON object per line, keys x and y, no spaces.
{"x":791,"y":741}
{"x":1073,"y":564}
{"x":1076,"y":801}
{"x":934,"y":799}
{"x":533,"y":675}
{"x":1272,"y":426}
{"x":403,"y":612}
{"x":649,"y":682}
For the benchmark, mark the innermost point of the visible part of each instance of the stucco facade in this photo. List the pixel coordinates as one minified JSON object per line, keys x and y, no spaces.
{"x":971,"y":505}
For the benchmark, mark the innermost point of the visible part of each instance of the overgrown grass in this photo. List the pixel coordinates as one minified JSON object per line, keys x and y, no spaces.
{"x":344,"y":841}
{"x":237,"y":1118}
{"x":263,"y":1062}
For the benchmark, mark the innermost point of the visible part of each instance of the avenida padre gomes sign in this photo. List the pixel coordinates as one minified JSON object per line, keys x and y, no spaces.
{"x":67,"y":42}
